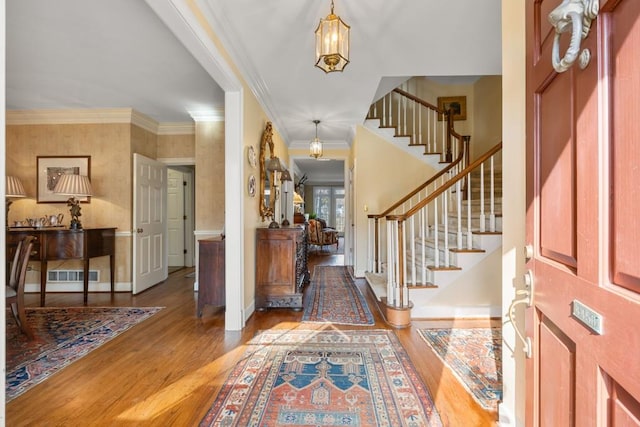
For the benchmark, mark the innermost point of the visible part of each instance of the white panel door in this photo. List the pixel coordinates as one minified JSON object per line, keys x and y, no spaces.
{"x":149,"y":223}
{"x":176,"y":217}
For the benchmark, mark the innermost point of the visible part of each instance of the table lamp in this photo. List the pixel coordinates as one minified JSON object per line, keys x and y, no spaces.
{"x":13,"y":189}
{"x":74,"y":186}
{"x":284,"y":177}
{"x":274,"y":165}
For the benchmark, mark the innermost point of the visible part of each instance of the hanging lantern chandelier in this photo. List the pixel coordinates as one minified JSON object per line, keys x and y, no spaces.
{"x":315,"y":147}
{"x":332,"y":43}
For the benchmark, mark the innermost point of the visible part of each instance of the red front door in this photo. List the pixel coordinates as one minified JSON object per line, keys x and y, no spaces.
{"x":583,"y":220}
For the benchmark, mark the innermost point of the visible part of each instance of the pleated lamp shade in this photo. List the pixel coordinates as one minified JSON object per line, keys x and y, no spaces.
{"x":74,"y":185}
{"x":14,"y":187}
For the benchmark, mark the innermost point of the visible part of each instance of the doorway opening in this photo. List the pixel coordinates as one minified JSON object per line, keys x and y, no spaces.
{"x":181,"y":216}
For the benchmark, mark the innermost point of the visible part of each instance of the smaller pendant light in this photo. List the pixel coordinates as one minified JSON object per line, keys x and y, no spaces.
{"x":315,"y":147}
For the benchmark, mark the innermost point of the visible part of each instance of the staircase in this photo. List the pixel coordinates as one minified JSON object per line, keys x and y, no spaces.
{"x":436,"y":252}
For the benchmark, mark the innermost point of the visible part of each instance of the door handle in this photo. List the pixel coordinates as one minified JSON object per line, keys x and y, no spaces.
{"x":139,"y":230}
{"x":525,"y":297}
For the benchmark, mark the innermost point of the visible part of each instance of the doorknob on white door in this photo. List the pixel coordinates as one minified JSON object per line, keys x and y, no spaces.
{"x":139,"y":230}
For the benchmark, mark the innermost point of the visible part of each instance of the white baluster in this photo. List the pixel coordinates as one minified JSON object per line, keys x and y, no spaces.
{"x":390,"y":262}
{"x":370,"y":246}
{"x":423,"y":226}
{"x":492,"y":214}
{"x":482,"y":216}
{"x":469,"y":236}
{"x":436,"y":255}
{"x":445,"y":215}
{"x":379,"y":253}
{"x":459,"y":207}
{"x":412,"y":242}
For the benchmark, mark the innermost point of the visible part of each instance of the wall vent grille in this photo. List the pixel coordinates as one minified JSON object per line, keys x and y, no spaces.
{"x":68,"y":276}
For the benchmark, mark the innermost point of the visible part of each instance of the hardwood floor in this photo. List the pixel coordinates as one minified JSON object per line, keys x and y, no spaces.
{"x":167,"y":370}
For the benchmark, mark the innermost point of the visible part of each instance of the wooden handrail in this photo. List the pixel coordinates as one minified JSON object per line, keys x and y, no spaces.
{"x":424,"y":185}
{"x":418,"y":100}
{"x":441,"y":189}
{"x":463,"y":140}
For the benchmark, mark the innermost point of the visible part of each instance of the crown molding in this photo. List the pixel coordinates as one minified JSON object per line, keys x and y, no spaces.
{"x":97,"y":116}
{"x":185,"y":128}
{"x":242,"y":60}
{"x":69,"y":116}
{"x":145,"y":122}
{"x":216,"y":115}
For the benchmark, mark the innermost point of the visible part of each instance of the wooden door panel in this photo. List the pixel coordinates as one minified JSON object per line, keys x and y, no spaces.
{"x":583,"y":199}
{"x":557,"y":376}
{"x":623,"y":409}
{"x":555,"y":183}
{"x":625,"y":148}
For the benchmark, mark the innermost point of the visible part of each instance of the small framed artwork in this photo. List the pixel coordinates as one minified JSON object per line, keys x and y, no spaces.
{"x":456,"y":103}
{"x":49,"y":170}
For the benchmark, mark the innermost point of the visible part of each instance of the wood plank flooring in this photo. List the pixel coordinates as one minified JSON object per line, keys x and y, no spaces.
{"x":167,"y":370}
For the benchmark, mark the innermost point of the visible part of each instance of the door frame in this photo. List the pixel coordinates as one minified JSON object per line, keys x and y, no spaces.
{"x":179,"y":163}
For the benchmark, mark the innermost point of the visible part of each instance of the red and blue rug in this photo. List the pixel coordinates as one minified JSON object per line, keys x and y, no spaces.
{"x":475,"y":357}
{"x":62,"y":336}
{"x":335,"y":298}
{"x":323,"y":378}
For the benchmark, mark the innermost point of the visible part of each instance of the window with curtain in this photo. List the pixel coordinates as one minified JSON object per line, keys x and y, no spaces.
{"x":328,"y":204}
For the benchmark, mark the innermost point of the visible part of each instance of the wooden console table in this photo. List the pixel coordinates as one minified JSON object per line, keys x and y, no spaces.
{"x":281,"y":267}
{"x":53,"y":244}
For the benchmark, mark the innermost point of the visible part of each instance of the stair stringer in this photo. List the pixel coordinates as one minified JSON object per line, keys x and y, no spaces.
{"x":473,"y":290}
{"x":403,"y":142}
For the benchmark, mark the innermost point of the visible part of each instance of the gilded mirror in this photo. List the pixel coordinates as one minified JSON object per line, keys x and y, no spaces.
{"x":267,"y":201}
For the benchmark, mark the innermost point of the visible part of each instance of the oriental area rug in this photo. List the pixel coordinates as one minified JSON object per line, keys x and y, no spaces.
{"x":62,"y":336}
{"x":335,"y":298}
{"x":323,"y":378}
{"x":475,"y":357}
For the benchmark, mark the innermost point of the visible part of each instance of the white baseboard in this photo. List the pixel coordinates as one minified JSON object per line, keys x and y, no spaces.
{"x":443,"y":312}
{"x":248,"y":311}
{"x":505,"y":416}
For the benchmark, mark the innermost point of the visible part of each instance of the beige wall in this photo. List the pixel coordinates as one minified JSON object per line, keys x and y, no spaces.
{"x":110,"y":146}
{"x":379,"y":183}
{"x":255,"y":122}
{"x":484,"y":107}
{"x":176,"y":146}
{"x":209,"y":153}
{"x":429,"y":90}
{"x":487,"y":114}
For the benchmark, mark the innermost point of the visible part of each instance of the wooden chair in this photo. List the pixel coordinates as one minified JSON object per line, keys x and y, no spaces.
{"x":320,"y":236}
{"x":15,"y":288}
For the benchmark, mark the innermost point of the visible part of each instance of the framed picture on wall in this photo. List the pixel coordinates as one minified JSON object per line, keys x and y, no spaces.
{"x":49,"y":170}
{"x":456,"y":103}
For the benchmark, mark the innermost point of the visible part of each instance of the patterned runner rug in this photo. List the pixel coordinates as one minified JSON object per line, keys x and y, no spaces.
{"x":335,"y":298}
{"x":323,"y":378}
{"x":475,"y":357}
{"x":62,"y":336}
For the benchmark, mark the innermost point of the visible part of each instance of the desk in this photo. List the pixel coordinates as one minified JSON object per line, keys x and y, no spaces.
{"x":53,"y":244}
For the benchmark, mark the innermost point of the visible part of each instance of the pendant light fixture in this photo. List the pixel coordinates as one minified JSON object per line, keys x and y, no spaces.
{"x":332,"y":43}
{"x":315,"y":147}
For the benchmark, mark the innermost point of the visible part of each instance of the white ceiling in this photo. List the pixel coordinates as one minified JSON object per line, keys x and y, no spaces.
{"x":118,"y":54}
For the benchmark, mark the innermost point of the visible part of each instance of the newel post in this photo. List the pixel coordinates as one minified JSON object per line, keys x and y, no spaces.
{"x":449,"y":154}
